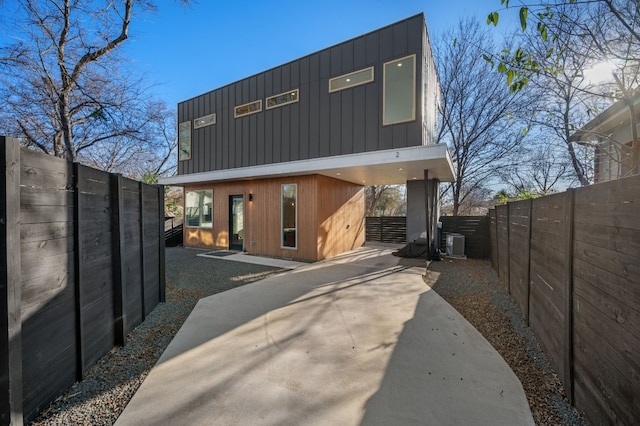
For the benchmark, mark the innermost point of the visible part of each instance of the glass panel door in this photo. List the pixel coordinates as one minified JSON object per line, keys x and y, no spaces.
{"x":236,"y":222}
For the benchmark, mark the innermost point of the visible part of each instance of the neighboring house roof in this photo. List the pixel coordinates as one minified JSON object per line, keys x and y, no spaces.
{"x":605,"y":124}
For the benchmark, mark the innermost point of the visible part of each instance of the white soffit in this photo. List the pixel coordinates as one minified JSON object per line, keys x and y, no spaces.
{"x":389,"y":167}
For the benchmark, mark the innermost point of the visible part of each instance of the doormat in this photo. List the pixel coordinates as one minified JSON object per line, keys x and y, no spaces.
{"x":219,"y":253}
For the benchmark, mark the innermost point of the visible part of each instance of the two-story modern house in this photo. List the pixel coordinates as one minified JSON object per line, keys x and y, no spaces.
{"x":276,"y":164}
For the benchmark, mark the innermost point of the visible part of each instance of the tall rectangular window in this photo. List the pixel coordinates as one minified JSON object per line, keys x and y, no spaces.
{"x":184,"y":141}
{"x":289,"y":215}
{"x":198,"y":206}
{"x":399,"y":93}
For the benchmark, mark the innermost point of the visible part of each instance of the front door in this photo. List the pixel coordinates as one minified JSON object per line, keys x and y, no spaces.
{"x":236,"y":222}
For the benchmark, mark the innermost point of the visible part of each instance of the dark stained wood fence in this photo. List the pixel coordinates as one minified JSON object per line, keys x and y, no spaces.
{"x":572,"y":263}
{"x":88,"y":266}
{"x":386,"y":229}
{"x":475,"y":230}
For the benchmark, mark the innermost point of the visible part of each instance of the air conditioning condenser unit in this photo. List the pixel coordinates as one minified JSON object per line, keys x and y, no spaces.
{"x":455,"y":244}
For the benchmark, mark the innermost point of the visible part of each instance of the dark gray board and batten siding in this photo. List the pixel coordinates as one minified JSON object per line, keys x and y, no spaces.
{"x":320,"y":124}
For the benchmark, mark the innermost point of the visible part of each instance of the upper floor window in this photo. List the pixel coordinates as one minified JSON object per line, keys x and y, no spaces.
{"x":246,"y":109}
{"x":207,"y":120}
{"x":198,"y":206}
{"x":352,"y":79}
{"x":399,"y":93}
{"x":282,"y":99}
{"x":184,"y":141}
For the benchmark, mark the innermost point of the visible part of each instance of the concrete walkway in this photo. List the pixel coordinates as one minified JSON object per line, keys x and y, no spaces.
{"x":356,"y":340}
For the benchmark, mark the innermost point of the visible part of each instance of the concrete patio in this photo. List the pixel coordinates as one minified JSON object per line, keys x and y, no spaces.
{"x":356,"y":339}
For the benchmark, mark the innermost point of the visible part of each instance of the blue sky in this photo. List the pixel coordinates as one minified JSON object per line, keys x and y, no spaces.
{"x":194,"y":50}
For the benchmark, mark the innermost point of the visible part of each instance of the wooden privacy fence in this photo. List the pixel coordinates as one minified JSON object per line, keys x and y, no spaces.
{"x":475,"y":230}
{"x":82,"y":265}
{"x":386,"y":229}
{"x":571,"y":261}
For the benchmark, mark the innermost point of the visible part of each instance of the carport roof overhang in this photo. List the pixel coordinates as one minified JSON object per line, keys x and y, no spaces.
{"x":388,"y":167}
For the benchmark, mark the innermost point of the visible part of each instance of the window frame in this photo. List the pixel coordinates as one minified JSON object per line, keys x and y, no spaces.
{"x":296,"y":91}
{"x":196,"y":125}
{"x":235,"y":109}
{"x":201,"y":223}
{"x":282,"y":227}
{"x":350,"y":74}
{"x":384,"y":91}
{"x":187,"y":155}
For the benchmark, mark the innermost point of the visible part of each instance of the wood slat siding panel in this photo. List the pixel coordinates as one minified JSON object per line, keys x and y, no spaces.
{"x":48,"y":307}
{"x":502,"y":214}
{"x":340,"y":216}
{"x":386,"y":229}
{"x":547,"y":292}
{"x":263,"y":217}
{"x":35,"y":231}
{"x":607,"y":370}
{"x":519,"y":252}
{"x":320,"y":123}
{"x":493,"y":233}
{"x":607,"y":301}
{"x":96,"y":263}
{"x":132,"y":286}
{"x":151,"y":248}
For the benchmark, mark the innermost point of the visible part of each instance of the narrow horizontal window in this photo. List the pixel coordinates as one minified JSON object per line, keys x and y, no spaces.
{"x":352,"y":79}
{"x":399,"y":92}
{"x":282,"y":99}
{"x":184,"y":141}
{"x":246,"y":109}
{"x":207,"y":120}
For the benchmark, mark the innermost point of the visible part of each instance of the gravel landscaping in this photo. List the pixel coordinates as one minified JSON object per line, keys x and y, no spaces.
{"x":470,"y":286}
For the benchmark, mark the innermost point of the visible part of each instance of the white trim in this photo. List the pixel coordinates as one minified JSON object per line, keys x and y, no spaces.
{"x":376,"y":167}
{"x":235,"y":109}
{"x":296,"y":91}
{"x":354,"y":84}
{"x":384,"y":91}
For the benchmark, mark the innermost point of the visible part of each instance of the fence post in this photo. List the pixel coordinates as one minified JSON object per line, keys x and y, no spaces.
{"x":10,"y":292}
{"x":142,"y":240}
{"x":568,"y":288}
{"x":161,"y":243}
{"x":79,"y":249}
{"x":117,"y":250}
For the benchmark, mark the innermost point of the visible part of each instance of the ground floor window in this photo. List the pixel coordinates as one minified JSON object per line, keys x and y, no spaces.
{"x":199,"y":208}
{"x":289,"y":215}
